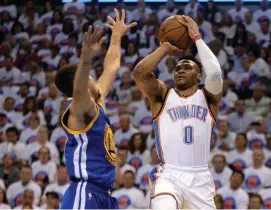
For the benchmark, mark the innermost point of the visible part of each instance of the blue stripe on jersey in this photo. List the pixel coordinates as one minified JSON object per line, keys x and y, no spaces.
{"x":158,"y":140}
{"x":152,"y":174}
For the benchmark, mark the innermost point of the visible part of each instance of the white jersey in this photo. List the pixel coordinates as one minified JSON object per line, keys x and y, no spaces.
{"x":183,"y":130}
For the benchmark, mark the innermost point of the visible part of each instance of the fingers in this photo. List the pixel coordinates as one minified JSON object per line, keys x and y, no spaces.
{"x":131,"y":25}
{"x":123,"y":15}
{"x":117,"y":14}
{"x":109,"y":26}
{"x":97,"y":33}
{"x":101,"y":41}
{"x":111,"y":20}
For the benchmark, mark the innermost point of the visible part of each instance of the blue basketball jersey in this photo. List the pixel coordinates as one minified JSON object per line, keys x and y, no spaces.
{"x":90,"y":153}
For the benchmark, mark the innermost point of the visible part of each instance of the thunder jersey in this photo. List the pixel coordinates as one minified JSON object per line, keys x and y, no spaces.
{"x":183,"y":129}
{"x":90,"y":153}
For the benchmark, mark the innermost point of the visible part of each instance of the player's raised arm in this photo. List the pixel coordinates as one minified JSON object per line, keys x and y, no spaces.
{"x":144,"y":72}
{"x":113,"y":55}
{"x":211,"y":66}
{"x":83,"y":103}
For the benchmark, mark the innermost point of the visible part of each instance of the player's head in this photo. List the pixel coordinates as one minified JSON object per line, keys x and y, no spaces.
{"x":237,"y":179}
{"x":187,"y":73}
{"x":65,"y":78}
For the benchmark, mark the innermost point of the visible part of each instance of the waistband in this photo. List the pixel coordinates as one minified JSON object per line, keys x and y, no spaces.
{"x":94,"y":187}
{"x":191,"y":169}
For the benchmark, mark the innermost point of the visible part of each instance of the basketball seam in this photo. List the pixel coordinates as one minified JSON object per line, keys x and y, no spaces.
{"x":172,"y":30}
{"x":180,"y":38}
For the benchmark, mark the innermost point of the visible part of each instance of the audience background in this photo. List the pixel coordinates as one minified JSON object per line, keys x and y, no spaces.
{"x":37,"y":41}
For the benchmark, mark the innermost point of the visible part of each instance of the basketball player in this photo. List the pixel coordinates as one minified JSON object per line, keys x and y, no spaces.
{"x":90,"y":148}
{"x":183,"y":118}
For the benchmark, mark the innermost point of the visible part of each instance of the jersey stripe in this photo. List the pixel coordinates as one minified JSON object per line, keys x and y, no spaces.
{"x":77,"y":196}
{"x":83,"y":196}
{"x":83,"y":162}
{"x":158,"y":140}
{"x":76,"y":157}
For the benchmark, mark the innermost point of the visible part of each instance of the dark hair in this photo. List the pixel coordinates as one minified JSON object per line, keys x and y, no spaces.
{"x":219,"y":155}
{"x":14,"y":25}
{"x":27,"y":167}
{"x":131,"y":172}
{"x":242,"y":134}
{"x":131,"y":144}
{"x":12,"y":129}
{"x":64,"y":79}
{"x":251,"y":195}
{"x":5,"y":196}
{"x":26,"y":101}
{"x":191,"y":58}
{"x":239,"y":172}
{"x":9,"y":98}
{"x":60,"y":14}
{"x":255,"y":50}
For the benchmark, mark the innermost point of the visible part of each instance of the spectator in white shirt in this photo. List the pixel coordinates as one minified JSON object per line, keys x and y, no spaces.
{"x":4,"y":124}
{"x":250,"y":23}
{"x":142,"y":12}
{"x":74,"y":8}
{"x":221,"y":173}
{"x":266,"y":197}
{"x":9,"y":74}
{"x":238,"y":12}
{"x":27,"y":200}
{"x":241,"y":157}
{"x":3,"y":200}
{"x":6,"y":5}
{"x":212,"y":13}
{"x":219,"y":202}
{"x":191,"y":8}
{"x":129,"y":196}
{"x":138,"y":154}
{"x":15,"y":190}
{"x":263,"y":11}
{"x":56,"y":24}
{"x":44,"y":170}
{"x":52,"y":201}
{"x":228,"y":100}
{"x":217,"y":48}
{"x":47,"y":15}
{"x":258,"y":175}
{"x":225,"y":136}
{"x":8,"y":108}
{"x":263,"y":35}
{"x":235,"y":197}
{"x":240,"y":119}
{"x":123,"y":135}
{"x":228,"y":27}
{"x":258,"y":66}
{"x":259,"y":103}
{"x":255,"y":201}
{"x":214,"y":150}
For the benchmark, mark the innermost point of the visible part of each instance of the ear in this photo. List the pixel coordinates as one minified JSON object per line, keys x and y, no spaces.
{"x":199,"y":77}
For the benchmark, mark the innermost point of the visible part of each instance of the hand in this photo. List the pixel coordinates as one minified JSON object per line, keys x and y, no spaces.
{"x":92,"y":42}
{"x":192,"y":27}
{"x":172,"y":50}
{"x":119,"y":27}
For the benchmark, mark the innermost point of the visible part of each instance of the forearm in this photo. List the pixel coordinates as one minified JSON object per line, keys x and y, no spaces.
{"x":211,"y":67}
{"x":82,"y":75}
{"x":149,"y":64}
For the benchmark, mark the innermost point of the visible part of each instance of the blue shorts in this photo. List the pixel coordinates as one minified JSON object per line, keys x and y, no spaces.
{"x":85,"y":195}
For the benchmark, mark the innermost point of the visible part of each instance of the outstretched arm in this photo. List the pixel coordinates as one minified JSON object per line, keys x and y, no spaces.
{"x":144,"y":72}
{"x":211,"y":66}
{"x":83,"y":103}
{"x":113,"y":55}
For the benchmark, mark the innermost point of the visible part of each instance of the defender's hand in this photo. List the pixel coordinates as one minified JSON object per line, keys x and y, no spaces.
{"x":171,"y":50}
{"x":192,"y":27}
{"x":119,"y":27}
{"x":92,"y":42}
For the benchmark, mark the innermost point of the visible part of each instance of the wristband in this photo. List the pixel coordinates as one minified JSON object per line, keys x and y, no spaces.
{"x":196,"y":36}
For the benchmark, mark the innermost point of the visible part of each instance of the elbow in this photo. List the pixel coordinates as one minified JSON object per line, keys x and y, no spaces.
{"x":137,"y":72}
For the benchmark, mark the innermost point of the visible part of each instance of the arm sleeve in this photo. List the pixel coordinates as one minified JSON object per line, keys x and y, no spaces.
{"x":211,"y":67}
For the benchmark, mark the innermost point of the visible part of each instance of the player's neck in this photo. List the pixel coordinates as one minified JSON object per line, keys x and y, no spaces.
{"x":187,"y":92}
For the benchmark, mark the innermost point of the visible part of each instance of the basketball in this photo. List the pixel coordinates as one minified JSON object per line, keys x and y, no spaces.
{"x":172,"y":31}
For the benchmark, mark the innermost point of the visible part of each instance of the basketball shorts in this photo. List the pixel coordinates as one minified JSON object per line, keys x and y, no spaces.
{"x":84,"y":195}
{"x":192,"y":188}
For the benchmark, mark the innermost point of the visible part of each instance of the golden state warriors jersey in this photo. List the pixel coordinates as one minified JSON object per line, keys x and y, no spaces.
{"x":183,"y":130}
{"x":90,"y":153}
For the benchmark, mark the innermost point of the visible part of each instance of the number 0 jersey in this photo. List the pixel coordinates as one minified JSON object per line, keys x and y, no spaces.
{"x":90,"y":153}
{"x":183,"y":129}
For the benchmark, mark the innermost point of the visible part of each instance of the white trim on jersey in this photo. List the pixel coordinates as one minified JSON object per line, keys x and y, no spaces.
{"x":77,"y":196}
{"x":84,"y":156}
{"x":83,"y":196}
{"x":76,"y":157}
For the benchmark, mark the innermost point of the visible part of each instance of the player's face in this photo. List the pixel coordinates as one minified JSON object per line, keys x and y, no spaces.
{"x":186,"y":74}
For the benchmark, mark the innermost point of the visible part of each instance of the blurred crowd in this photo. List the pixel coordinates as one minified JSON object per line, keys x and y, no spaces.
{"x":36,"y":43}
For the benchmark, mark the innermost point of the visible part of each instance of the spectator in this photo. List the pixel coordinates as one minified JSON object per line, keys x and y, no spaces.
{"x":9,"y":74}
{"x":238,"y":12}
{"x":169,"y":11}
{"x":15,"y":191}
{"x":216,"y":47}
{"x":44,"y":170}
{"x":228,"y":98}
{"x":4,"y":124}
{"x":212,"y":13}
{"x":191,"y":8}
{"x":241,"y":157}
{"x":138,"y":155}
{"x":263,"y":11}
{"x":52,"y":201}
{"x":28,"y":200}
{"x":214,"y":150}
{"x":125,"y":132}
{"x":142,"y":12}
{"x":240,"y":119}
{"x":129,"y":196}
{"x":3,"y":200}
{"x":266,"y":197}
{"x":225,"y":136}
{"x":8,"y":109}
{"x":56,"y":24}
{"x":235,"y":197}
{"x":9,"y":172}
{"x":221,"y":172}
{"x":240,"y":36}
{"x":250,"y":23}
{"x":257,"y":176}
{"x":256,"y":136}
{"x":47,"y":14}
{"x":263,"y":35}
{"x":255,"y":201}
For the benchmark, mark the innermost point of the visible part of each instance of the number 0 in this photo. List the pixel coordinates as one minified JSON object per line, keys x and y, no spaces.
{"x":188,"y":134}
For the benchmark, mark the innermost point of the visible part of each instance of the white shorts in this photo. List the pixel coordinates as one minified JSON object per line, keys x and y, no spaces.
{"x":192,"y":188}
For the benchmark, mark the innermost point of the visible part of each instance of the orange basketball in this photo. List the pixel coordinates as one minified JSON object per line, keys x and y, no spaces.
{"x":172,"y":31}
